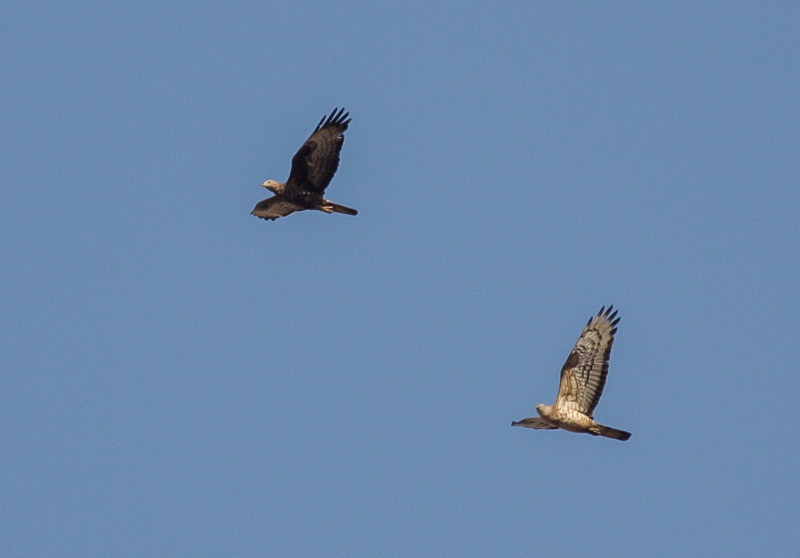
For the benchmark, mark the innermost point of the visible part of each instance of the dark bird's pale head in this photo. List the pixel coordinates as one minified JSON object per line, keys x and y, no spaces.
{"x":273,"y":186}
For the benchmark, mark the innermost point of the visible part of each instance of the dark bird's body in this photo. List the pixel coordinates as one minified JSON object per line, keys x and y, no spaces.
{"x":313,"y":167}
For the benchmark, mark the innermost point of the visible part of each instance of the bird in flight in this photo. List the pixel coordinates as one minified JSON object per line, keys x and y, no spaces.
{"x":583,"y":378}
{"x":313,"y":167}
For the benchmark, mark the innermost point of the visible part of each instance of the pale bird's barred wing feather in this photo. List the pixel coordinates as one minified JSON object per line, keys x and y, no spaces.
{"x":274,"y":207}
{"x":314,"y":165}
{"x":583,"y":376}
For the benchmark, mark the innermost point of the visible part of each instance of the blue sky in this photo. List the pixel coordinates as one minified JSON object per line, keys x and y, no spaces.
{"x":178,"y":378}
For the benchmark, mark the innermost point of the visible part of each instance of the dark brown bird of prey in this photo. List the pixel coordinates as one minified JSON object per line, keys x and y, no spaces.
{"x":313,"y":167}
{"x":583,"y":378}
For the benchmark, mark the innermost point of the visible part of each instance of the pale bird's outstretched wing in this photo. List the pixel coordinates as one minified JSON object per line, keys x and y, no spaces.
{"x":583,"y":376}
{"x":274,"y":207}
{"x":314,"y":165}
{"x":535,"y":422}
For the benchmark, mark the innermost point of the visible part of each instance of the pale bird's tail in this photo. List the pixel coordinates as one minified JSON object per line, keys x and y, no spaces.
{"x":609,"y":432}
{"x":343,"y":209}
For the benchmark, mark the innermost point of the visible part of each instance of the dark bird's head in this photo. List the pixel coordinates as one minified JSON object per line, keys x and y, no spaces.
{"x":274,"y":186}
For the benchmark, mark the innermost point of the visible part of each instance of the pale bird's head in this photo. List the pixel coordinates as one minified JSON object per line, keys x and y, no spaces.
{"x":273,"y":186}
{"x":542,"y":409}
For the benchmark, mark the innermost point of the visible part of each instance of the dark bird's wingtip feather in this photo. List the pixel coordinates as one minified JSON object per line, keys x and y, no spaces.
{"x":336,"y":118}
{"x":254,"y":214}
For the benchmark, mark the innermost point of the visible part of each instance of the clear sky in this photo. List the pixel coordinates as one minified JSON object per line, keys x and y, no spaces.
{"x":180,"y":379}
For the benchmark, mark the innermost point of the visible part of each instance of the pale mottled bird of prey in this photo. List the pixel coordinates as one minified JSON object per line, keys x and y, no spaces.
{"x":583,"y":378}
{"x":313,"y":167}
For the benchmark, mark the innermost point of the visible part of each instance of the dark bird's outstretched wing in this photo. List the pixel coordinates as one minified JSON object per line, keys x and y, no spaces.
{"x":314,"y":165}
{"x":583,"y":376}
{"x":274,"y":207}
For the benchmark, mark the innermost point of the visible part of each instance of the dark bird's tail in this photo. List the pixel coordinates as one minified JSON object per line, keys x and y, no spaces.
{"x":609,"y":432}
{"x":343,"y":209}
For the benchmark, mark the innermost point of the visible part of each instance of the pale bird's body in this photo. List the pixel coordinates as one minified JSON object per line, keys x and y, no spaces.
{"x":583,"y":378}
